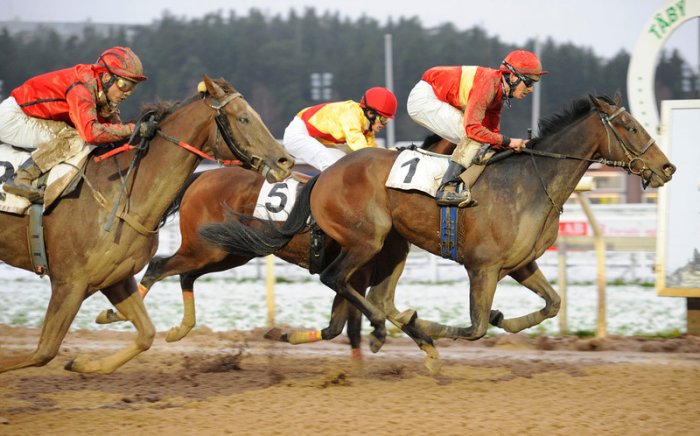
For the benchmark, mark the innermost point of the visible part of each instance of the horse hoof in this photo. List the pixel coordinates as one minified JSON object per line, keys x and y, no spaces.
{"x":109,"y":316}
{"x":174,"y":335}
{"x":376,"y":340}
{"x":496,"y":318}
{"x":433,"y":364}
{"x":407,"y":317}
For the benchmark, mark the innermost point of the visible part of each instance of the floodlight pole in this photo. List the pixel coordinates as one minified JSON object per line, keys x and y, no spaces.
{"x":389,"y":79}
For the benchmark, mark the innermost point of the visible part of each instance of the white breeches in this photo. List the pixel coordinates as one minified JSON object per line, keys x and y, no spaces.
{"x":303,"y":146}
{"x":435,"y":115}
{"x":53,"y":142}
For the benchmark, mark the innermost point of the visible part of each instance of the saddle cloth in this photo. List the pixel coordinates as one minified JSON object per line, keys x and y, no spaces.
{"x":276,"y":200}
{"x":58,"y":180}
{"x":418,"y":170}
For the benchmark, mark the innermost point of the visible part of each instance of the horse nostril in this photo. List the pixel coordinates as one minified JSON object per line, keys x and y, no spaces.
{"x":669,"y":169}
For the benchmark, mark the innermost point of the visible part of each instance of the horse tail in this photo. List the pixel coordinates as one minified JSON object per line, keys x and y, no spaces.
{"x":236,"y":237}
{"x":175,"y":205}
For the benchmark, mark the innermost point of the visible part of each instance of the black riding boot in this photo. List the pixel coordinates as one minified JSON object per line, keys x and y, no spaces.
{"x":447,"y":194}
{"x":22,"y":183}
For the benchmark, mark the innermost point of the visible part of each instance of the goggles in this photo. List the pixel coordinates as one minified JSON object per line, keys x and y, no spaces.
{"x":382,"y":119}
{"x":125,"y":85}
{"x":528,"y":81}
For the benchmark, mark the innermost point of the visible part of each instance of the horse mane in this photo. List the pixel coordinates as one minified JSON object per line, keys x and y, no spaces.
{"x":430,"y":140}
{"x":164,"y":108}
{"x":553,"y":124}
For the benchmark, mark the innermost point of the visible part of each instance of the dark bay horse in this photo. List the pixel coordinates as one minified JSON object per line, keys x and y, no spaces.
{"x":85,"y":258}
{"x":515,"y":223}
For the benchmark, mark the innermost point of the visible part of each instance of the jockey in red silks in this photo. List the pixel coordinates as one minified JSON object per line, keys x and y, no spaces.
{"x":56,"y":114}
{"x":463,"y":105}
{"x":322,"y":134}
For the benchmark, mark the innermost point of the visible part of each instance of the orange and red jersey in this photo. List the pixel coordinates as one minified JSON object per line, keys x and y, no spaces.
{"x":338,"y":123}
{"x":70,"y":95}
{"x":477,"y":92}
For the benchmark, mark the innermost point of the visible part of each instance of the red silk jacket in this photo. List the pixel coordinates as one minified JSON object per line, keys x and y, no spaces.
{"x":70,"y":95}
{"x":477,"y":92}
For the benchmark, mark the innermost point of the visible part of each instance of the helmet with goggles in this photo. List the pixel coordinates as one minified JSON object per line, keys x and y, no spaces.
{"x":122,"y":62}
{"x":381,"y":100}
{"x":522,"y":62}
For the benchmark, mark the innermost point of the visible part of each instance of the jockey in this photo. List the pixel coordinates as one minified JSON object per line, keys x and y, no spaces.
{"x":57,"y":113}
{"x":322,"y":134}
{"x":463,"y":105}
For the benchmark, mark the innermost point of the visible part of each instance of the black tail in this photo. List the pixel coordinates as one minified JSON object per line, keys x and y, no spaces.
{"x":175,"y":205}
{"x":236,"y":237}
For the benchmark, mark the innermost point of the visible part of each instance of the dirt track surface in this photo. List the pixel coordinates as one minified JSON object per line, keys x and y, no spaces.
{"x":238,"y":383}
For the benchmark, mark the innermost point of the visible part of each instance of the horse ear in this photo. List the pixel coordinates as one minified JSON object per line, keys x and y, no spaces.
{"x":598,"y":103}
{"x":212,"y":88}
{"x":618,"y":98}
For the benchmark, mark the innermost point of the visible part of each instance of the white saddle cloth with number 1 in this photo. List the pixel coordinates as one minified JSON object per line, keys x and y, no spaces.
{"x":418,"y":170}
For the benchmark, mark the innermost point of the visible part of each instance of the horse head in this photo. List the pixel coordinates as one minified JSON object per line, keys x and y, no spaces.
{"x":245,"y":135}
{"x":629,"y":144}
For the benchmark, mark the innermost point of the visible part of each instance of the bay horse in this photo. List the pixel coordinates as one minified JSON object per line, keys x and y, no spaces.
{"x":85,"y":258}
{"x":517,"y":219}
{"x":205,"y":199}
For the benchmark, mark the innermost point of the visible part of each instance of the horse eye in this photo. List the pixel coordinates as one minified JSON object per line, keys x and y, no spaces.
{"x":632,"y":129}
{"x":243,"y":119}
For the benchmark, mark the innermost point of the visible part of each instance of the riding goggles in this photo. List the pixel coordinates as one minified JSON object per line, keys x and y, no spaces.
{"x":125,"y":85}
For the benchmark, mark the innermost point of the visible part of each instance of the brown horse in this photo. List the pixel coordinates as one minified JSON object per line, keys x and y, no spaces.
{"x":516,"y":221}
{"x":205,"y":199}
{"x":84,"y":258}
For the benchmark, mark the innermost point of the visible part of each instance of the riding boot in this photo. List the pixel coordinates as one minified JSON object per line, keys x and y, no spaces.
{"x":447,"y":194}
{"x":22,"y":183}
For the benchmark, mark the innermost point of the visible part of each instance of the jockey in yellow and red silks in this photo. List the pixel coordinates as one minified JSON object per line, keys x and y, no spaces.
{"x":463,"y":104}
{"x":322,"y":134}
{"x":57,"y":113}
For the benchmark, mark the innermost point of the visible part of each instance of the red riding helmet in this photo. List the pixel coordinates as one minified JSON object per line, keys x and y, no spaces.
{"x":523,"y":62}
{"x":122,"y":62}
{"x":381,"y":100}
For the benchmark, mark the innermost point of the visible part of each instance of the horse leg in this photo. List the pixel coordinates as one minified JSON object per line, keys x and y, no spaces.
{"x":354,"y":331}
{"x":189,"y":317}
{"x":128,"y":301}
{"x":482,"y":286}
{"x":339,"y":316}
{"x":63,"y":306}
{"x":337,"y":276}
{"x":157,"y":270}
{"x":382,"y":295}
{"x":532,"y":278}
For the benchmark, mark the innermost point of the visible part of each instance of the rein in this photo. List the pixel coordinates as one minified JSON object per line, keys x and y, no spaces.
{"x":223,"y":131}
{"x":631,"y":154}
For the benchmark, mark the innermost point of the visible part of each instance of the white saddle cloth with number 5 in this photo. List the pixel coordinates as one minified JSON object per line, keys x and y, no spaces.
{"x":418,"y":170}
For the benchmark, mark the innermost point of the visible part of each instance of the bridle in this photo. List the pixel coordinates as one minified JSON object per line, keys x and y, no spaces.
{"x":631,"y":154}
{"x":224,"y":129}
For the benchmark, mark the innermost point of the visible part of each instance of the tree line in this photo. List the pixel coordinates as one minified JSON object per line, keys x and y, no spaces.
{"x":270,"y":60}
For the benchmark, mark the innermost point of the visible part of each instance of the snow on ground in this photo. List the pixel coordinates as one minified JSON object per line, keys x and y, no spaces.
{"x":436,"y":288}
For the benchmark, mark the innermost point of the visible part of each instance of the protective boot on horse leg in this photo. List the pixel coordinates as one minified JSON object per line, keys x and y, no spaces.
{"x":462,"y":158}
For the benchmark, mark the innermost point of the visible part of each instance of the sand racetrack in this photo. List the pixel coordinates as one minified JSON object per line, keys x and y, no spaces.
{"x":239,"y":383}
